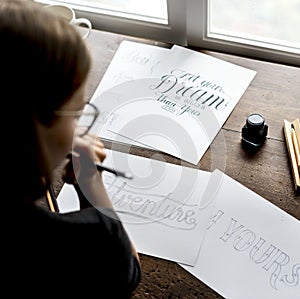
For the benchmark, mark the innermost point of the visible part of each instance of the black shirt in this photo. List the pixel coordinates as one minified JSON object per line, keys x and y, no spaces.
{"x":85,"y":253}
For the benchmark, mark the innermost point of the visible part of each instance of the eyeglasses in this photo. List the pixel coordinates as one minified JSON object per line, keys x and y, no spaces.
{"x":84,"y":119}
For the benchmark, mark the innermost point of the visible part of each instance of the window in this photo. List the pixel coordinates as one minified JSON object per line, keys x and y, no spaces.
{"x":162,"y":20}
{"x":265,"y":29}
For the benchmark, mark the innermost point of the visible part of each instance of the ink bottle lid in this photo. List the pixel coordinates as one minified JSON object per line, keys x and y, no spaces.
{"x":254,"y":132}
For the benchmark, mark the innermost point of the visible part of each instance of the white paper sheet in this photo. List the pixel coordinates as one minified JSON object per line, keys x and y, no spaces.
{"x":251,"y":249}
{"x":164,"y":208}
{"x":175,"y":101}
{"x":136,"y":116}
{"x":132,"y":61}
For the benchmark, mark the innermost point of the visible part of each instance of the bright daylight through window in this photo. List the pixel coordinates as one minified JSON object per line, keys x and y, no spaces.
{"x":266,"y":29}
{"x":154,"y":10}
{"x":269,"y":23}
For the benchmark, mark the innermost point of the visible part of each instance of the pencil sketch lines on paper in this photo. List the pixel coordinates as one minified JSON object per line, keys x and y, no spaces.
{"x":141,"y":60}
{"x":162,"y":209}
{"x":259,"y":251}
{"x":136,"y":57}
{"x":121,"y":77}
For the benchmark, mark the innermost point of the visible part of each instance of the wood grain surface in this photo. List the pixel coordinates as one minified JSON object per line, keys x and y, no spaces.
{"x":275,"y":93}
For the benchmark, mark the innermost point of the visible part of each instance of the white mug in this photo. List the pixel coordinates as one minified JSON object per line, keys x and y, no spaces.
{"x":68,"y":13}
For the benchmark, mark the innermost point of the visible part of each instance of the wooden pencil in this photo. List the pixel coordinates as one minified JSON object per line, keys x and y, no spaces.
{"x":50,"y":202}
{"x":287,"y":128}
{"x":296,"y":126}
{"x":296,"y":148}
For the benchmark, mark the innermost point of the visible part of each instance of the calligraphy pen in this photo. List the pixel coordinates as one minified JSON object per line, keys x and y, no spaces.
{"x":51,"y":198}
{"x":119,"y":173}
{"x":101,"y":167}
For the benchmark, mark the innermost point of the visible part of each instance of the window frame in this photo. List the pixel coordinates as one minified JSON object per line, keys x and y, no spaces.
{"x":266,"y":51}
{"x":173,"y":32}
{"x":188,"y":26}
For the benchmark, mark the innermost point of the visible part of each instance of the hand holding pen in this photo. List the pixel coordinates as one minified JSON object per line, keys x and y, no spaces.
{"x":83,"y":153}
{"x":82,"y":171}
{"x":101,"y":167}
{"x":97,"y":194}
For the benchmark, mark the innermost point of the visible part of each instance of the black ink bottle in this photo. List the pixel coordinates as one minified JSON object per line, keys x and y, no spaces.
{"x":254,"y":132}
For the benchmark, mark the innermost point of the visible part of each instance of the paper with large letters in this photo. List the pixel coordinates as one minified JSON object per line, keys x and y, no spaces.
{"x":173,"y":100}
{"x":164,"y":208}
{"x":251,"y":249}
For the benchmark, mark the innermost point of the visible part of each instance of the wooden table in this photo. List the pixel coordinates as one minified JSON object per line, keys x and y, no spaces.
{"x":275,"y":93}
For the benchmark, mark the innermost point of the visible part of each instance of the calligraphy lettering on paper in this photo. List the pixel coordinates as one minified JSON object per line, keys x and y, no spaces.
{"x":182,"y":92}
